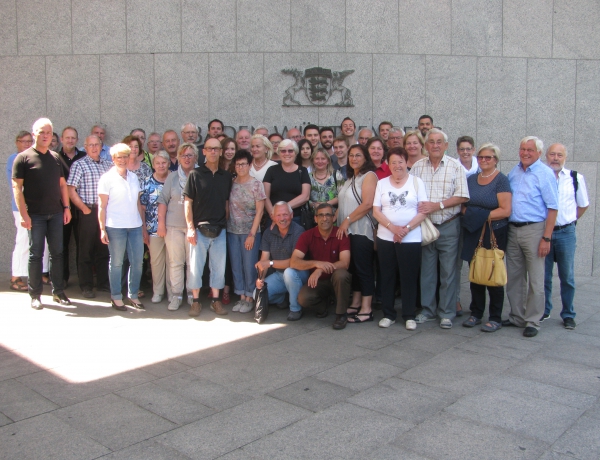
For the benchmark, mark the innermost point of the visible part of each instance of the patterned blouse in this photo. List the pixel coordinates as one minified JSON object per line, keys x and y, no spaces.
{"x":151,"y":190}
{"x":321,"y":193}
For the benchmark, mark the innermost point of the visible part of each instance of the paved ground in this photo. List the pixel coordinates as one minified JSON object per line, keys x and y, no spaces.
{"x":89,"y":382}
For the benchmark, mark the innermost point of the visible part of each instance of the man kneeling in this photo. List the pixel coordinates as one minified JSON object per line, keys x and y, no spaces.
{"x":328,"y":257}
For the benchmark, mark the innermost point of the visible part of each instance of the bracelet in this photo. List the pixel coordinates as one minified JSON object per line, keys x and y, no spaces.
{"x":388,"y":224}
{"x":250,"y":234}
{"x":348,"y":218}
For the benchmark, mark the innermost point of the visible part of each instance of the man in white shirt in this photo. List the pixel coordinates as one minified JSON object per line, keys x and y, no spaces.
{"x":572,"y":203}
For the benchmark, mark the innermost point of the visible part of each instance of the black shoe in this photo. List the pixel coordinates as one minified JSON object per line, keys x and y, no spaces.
{"x":530,"y":332}
{"x":544,"y":316}
{"x":88,"y":293}
{"x":569,"y":323}
{"x":104,"y":288}
{"x":508,"y":323}
{"x":139,"y":306}
{"x":322,"y":314}
{"x":36,"y":303}
{"x":340,"y":322}
{"x":61,"y":299}
{"x":118,"y":307}
{"x":294,"y":315}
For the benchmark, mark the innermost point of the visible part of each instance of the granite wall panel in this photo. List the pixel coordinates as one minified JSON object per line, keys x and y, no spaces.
{"x":501,"y":103}
{"x":181,"y":90}
{"x":587,"y":113}
{"x":451,"y":95}
{"x":477,"y":31}
{"x":263,"y":26}
{"x":398,"y":89}
{"x":372,"y":30}
{"x":99,"y":26}
{"x":327,"y":33}
{"x":576,"y":34}
{"x":8,"y":28}
{"x":527,"y":28}
{"x":126,"y":94}
{"x":208,"y":26}
{"x":551,"y":100}
{"x":33,"y":20}
{"x":153,"y":26}
{"x":425,"y":27}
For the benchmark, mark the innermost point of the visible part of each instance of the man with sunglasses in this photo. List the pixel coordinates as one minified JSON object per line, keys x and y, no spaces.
{"x":328,"y":258}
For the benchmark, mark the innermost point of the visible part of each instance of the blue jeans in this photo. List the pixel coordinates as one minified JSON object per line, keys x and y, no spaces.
{"x":562,"y":251}
{"x":119,"y":241}
{"x":282,"y":282}
{"x":45,"y":227}
{"x":217,"y":249}
{"x":242,"y":263}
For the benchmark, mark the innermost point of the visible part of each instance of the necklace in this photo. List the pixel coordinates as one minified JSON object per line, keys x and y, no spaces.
{"x":258,"y":167}
{"x":489,"y":175}
{"x":321,"y":178}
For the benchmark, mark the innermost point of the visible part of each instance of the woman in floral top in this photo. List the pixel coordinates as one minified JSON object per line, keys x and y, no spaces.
{"x":323,"y":186}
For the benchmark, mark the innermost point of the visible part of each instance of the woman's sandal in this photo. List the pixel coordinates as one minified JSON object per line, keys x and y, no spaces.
{"x":18,"y":285}
{"x":356,"y":318}
{"x":352,"y":311}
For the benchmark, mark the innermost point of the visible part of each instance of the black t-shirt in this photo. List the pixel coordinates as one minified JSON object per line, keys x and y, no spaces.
{"x":41,"y":173}
{"x":209,"y":193}
{"x":286,"y":186}
{"x":79,"y":154}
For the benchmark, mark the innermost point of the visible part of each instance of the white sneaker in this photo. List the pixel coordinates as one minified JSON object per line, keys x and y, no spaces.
{"x":386,"y":322}
{"x":238,"y":305}
{"x":446,"y":323}
{"x":175,"y":303}
{"x":247,"y":307}
{"x":190,"y":300}
{"x":421,"y":318}
{"x":411,"y":325}
{"x":157,"y":298}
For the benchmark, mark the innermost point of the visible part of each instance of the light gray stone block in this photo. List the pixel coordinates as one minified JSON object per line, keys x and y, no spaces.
{"x":181,"y":90}
{"x":73,"y":86}
{"x":392,"y":452}
{"x":8,"y":28}
{"x":574,"y":31}
{"x":319,"y":26}
{"x":154,"y":26}
{"x":431,"y":340}
{"x":523,"y":37}
{"x":581,"y":441}
{"x":551,"y":100}
{"x":501,"y":103}
{"x":207,"y":27}
{"x":236,"y":91}
{"x":398,"y":89}
{"x":19,"y":402}
{"x":587,"y":137}
{"x":263,"y":26}
{"x":445,"y":439}
{"x":127,"y":94}
{"x":372,"y":28}
{"x":313,"y":394}
{"x":165,"y":368}
{"x":477,"y":31}
{"x":4,"y":420}
{"x":451,"y":91}
{"x":99,"y":27}
{"x":113,"y":421}
{"x":501,"y":346}
{"x":359,"y":374}
{"x":232,"y":428}
{"x":12,"y":366}
{"x":426,"y":27}
{"x":147,"y":450}
{"x":32,"y":26}
{"x":45,"y":436}
{"x":401,"y":356}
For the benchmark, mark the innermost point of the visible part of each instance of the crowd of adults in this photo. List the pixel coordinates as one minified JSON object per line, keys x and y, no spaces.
{"x":322,"y":220}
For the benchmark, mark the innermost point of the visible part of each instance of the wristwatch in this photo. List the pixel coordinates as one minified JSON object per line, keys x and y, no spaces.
{"x":66,"y":207}
{"x":409,"y":227}
{"x":547,"y":240}
{"x":270,"y":263}
{"x":442,"y":205}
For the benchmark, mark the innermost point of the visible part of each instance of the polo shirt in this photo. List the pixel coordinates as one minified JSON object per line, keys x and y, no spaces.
{"x":79,"y":154}
{"x":314,"y":247}
{"x":534,"y":191}
{"x":383,"y":171}
{"x":209,"y":193}
{"x":278,"y":247}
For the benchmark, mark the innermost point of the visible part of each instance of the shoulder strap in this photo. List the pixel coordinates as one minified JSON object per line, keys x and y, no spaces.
{"x":575,"y":183}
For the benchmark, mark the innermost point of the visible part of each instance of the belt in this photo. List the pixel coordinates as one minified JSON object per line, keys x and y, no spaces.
{"x":560,"y":227}
{"x":90,"y":205}
{"x":522,"y":224}
{"x":455,"y":216}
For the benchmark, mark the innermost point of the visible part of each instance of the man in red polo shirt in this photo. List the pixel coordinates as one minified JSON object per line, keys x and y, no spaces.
{"x":328,"y":258}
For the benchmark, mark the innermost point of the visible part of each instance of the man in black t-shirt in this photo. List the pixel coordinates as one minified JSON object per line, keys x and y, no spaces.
{"x":42,"y":197}
{"x":206,"y":205}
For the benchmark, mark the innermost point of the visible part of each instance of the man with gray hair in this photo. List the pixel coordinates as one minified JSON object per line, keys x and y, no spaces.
{"x":395,"y":138}
{"x":446,"y":184}
{"x":242,"y":138}
{"x":100,"y":131}
{"x":262,"y":129}
{"x":189,"y":133}
{"x":531,"y":223}
{"x":364,"y":135}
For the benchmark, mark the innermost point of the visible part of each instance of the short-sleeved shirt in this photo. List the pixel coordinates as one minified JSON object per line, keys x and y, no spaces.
{"x":172,"y":197}
{"x":278,"y":247}
{"x":285,"y":186}
{"x":448,"y":180}
{"x":568,"y":202}
{"x":209,"y":193}
{"x":84,"y":176}
{"x":123,"y":195}
{"x":149,"y":198}
{"x":260,"y":174}
{"x":321,"y":193}
{"x":143,"y":173}
{"x":486,"y":196}
{"x":242,"y":205}
{"x":41,"y":173}
{"x":9,"y":168}
{"x":383,"y":171}
{"x":79,"y":154}
{"x":314,"y":247}
{"x":534,"y":192}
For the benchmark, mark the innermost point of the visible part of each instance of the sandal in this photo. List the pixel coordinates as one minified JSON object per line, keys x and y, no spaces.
{"x":471,"y":322}
{"x":45,"y":280}
{"x":491,"y":326}
{"x":141,"y":294}
{"x":356,"y":318}
{"x":459,"y":310}
{"x":18,"y":285}
{"x":352,"y":311}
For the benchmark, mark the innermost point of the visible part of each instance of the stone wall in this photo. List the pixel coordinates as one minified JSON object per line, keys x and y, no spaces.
{"x":496,"y":69}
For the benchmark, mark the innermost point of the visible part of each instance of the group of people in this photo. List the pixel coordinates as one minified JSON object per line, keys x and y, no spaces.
{"x":320,"y":219}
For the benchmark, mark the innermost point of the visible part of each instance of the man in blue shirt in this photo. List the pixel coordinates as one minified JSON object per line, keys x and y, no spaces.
{"x":100,"y":131}
{"x":534,"y":210}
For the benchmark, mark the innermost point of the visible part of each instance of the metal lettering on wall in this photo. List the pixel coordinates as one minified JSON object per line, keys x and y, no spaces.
{"x":318,"y":86}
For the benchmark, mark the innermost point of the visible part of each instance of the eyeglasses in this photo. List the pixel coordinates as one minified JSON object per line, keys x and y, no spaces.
{"x":287,"y":151}
{"x":26,"y":141}
{"x":187,"y":156}
{"x":358,"y":155}
{"x":484,"y":158}
{"x":212,"y":149}
{"x":466,"y":149}
{"x":241,"y":165}
{"x":438,"y":142}
{"x":92,"y":145}
{"x":189,"y":132}
{"x":327,"y":215}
